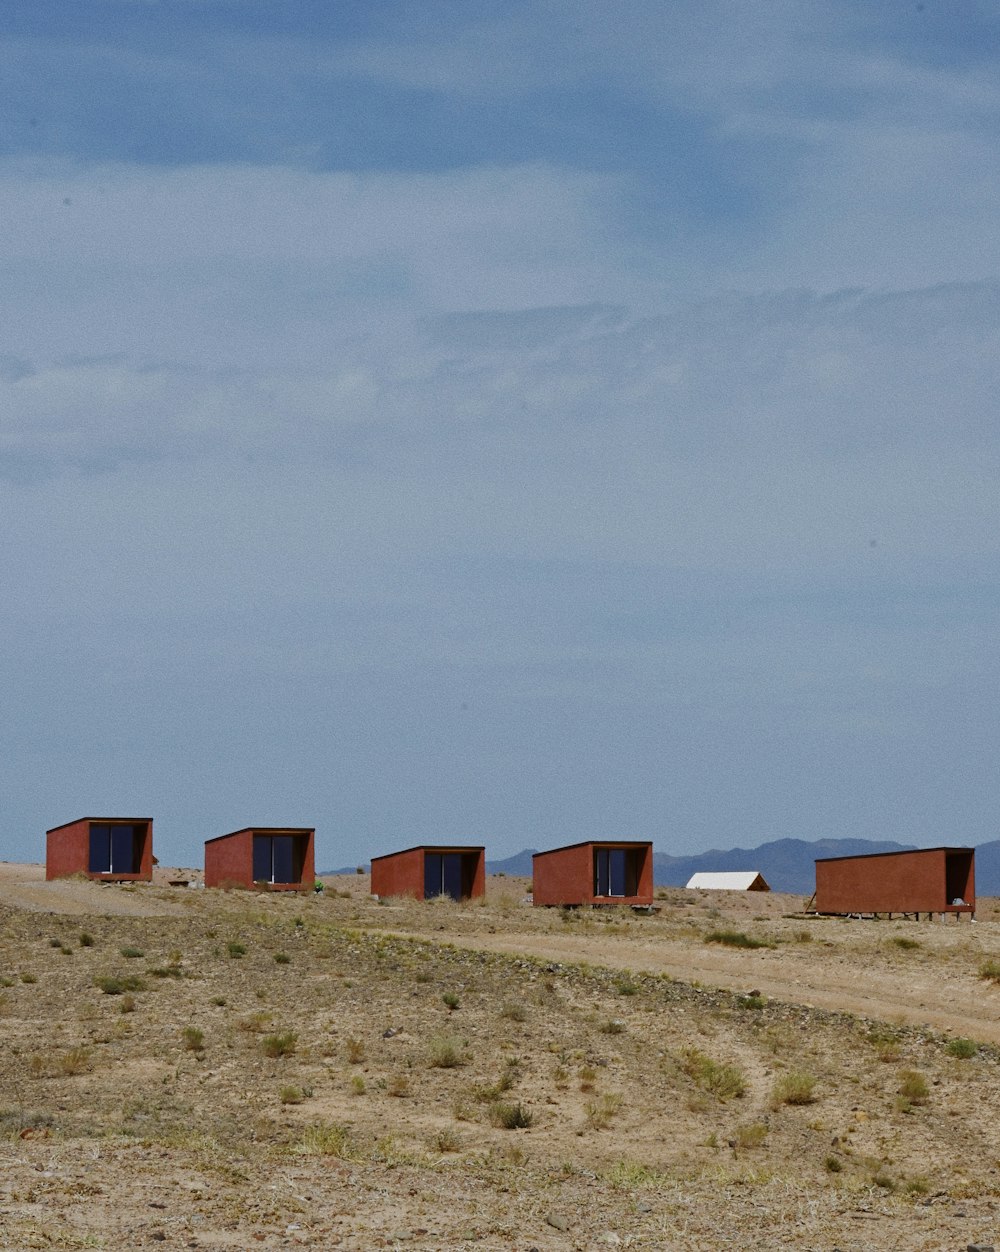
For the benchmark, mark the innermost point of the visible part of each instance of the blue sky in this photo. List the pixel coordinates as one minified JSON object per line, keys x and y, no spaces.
{"x":510,"y":423}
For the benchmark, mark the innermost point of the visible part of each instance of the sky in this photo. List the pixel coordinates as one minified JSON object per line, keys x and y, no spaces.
{"x":509,"y":423}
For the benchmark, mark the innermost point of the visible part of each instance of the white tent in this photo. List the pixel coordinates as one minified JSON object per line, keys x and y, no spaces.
{"x":733,"y":880}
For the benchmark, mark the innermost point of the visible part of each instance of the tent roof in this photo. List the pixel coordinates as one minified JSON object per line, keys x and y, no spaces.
{"x":732,"y":880}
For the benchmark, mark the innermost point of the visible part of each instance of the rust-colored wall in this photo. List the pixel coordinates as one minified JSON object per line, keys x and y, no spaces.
{"x":402,"y":873}
{"x":897,"y":882}
{"x":67,"y":849}
{"x":566,"y":875}
{"x":229,"y":859}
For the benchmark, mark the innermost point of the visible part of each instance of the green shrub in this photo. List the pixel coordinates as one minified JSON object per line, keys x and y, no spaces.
{"x":750,"y":1136}
{"x":834,"y":1164}
{"x":291,"y":1095}
{"x":451,"y":1001}
{"x":990,"y":970}
{"x":514,"y":1011}
{"x":725,"y":1082}
{"x":794,"y":1088}
{"x":905,"y":944}
{"x":280,"y":1045}
{"x":116,"y":986}
{"x":913,"y":1087}
{"x":962,"y":1048}
{"x":235,"y":950}
{"x":736,"y":939}
{"x":194,"y":1039}
{"x":282,"y":958}
{"x":445,"y":1052}
{"x":510,"y":1116}
{"x":86,"y":940}
{"x":601,"y":1112}
{"x":355,"y":1051}
{"x":329,"y":1140}
{"x":131,"y":953}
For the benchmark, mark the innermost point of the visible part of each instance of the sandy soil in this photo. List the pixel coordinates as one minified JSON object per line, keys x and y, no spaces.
{"x":334,"y":1072}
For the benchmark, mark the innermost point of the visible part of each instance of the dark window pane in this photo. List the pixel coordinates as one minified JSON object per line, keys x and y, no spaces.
{"x":123,"y":849}
{"x":602,"y":879}
{"x":451,"y":874}
{"x":433,"y":883}
{"x":100,"y":850}
{"x":262,"y":858}
{"x":617,"y":859}
{"x":282,"y":858}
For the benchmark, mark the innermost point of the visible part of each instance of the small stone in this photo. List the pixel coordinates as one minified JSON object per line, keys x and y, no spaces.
{"x":980,"y":1247}
{"x":557,"y":1222}
{"x":643,"y":1207}
{"x":157,"y":1235}
{"x":401,"y":1236}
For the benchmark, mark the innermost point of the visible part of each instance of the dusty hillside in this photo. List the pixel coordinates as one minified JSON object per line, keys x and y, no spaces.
{"x":201,"y":1069}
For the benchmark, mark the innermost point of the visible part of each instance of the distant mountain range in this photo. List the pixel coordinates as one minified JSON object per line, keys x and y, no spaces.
{"x":787,"y":864}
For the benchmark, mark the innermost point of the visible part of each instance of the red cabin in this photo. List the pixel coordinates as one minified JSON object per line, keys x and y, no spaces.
{"x":928,"y":880}
{"x":276,"y":858}
{"x":605,"y":872}
{"x":110,"y":849}
{"x":427,"y":871}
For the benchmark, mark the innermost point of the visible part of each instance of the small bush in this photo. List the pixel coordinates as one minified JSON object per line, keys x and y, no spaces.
{"x":905,"y":944}
{"x":587,"y":1076}
{"x":131,"y":953}
{"x":194,"y":1039}
{"x":55,"y":943}
{"x":28,"y":978}
{"x":736,"y":939}
{"x":86,"y":940}
{"x":451,"y":1000}
{"x":751,"y":1136}
{"x":291,"y":1095}
{"x":795,"y":1088}
{"x":329,"y":1140}
{"x":399,"y":1086}
{"x":282,"y":958}
{"x":627,"y":988}
{"x":725,"y":1082}
{"x":355,"y":1049}
{"x":116,"y":986}
{"x":834,"y":1164}
{"x":280,"y":1045}
{"x":913,"y":1087}
{"x":445,"y":1052}
{"x":127,"y":1005}
{"x":601,"y":1112}
{"x":218,"y":1001}
{"x":510,"y":1116}
{"x":513,"y":1011}
{"x":74,"y":1061}
{"x":752,"y":1001}
{"x":962,"y":1048}
{"x":165,"y":971}
{"x":447,"y":1141}
{"x":256,"y":1022}
{"x":236,"y":950}
{"x":614,"y":1026}
{"x":357,"y":1085}
{"x":990,"y":971}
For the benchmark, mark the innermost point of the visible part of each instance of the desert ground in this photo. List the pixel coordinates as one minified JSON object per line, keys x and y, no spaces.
{"x":204,"y":1069}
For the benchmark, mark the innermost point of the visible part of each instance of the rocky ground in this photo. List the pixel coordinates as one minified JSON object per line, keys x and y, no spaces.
{"x":203,"y":1069}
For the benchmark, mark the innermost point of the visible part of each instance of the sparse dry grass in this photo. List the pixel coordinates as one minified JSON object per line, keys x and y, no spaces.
{"x":274,"y":1144}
